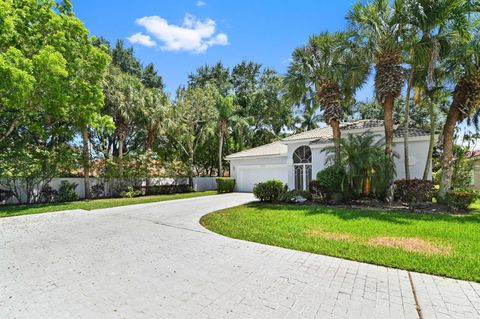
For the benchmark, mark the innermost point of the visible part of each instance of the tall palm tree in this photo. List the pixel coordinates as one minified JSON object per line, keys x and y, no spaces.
{"x":331,"y":68}
{"x":225,"y":111}
{"x":428,"y":23}
{"x":464,"y":67}
{"x":309,"y":118}
{"x":379,"y":26}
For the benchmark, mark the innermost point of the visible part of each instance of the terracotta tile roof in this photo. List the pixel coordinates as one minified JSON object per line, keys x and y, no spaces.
{"x":275,"y":148}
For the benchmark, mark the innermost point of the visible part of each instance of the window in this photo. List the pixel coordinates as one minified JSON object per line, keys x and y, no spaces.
{"x":302,"y":166}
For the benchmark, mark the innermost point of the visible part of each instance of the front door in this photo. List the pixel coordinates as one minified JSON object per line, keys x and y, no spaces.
{"x":302,"y":165}
{"x":303,"y":176}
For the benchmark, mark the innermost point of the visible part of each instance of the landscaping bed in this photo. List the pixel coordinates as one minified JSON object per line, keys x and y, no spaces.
{"x":16,"y":210}
{"x":440,"y":244}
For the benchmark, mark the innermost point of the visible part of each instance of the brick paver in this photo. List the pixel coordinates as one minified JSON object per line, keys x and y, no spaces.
{"x":156,"y":261}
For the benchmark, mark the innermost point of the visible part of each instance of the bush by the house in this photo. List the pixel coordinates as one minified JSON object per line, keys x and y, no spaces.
{"x":167,"y":189}
{"x":317,"y":192}
{"x":131,"y":192}
{"x":460,"y":199}
{"x":295,"y":196}
{"x":331,"y":179}
{"x":67,"y":192}
{"x":269,"y":191}
{"x":98,"y":190}
{"x":225,"y":184}
{"x":414,"y":191}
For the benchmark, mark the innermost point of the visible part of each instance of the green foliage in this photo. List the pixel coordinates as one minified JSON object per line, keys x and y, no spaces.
{"x":332,"y":179}
{"x":414,"y":191}
{"x":269,"y":191}
{"x":67,"y":191}
{"x":225,"y":184}
{"x":460,"y":199}
{"x":131,"y":192}
{"x":362,"y":159}
{"x":292,"y":196}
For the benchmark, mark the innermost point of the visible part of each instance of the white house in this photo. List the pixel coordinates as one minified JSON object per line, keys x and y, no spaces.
{"x":295,"y":160}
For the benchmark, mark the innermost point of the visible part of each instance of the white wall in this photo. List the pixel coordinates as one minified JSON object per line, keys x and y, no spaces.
{"x":418,"y":153}
{"x":199,"y":184}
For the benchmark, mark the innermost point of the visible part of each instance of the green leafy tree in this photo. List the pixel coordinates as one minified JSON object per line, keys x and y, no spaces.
{"x":188,"y":119}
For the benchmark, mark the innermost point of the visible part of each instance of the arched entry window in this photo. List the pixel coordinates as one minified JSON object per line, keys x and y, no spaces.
{"x":302,"y":165}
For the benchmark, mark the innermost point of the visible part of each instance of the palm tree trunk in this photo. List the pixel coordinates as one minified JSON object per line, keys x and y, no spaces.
{"x":86,"y":162}
{"x":407,"y":124}
{"x":121,"y":140}
{"x":335,"y":124}
{"x":388,"y":123}
{"x":433,"y":119}
{"x":220,"y":152}
{"x":447,"y":160}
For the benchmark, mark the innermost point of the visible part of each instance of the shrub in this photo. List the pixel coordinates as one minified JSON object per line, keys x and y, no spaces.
{"x":317,"y":192}
{"x":47,"y":194}
{"x":269,"y":191}
{"x":67,"y":191}
{"x":131,"y":192}
{"x":167,"y":189}
{"x":460,"y":199}
{"x":414,"y":191}
{"x":225,"y":184}
{"x":98,"y":190}
{"x":331,"y":179}
{"x":294,"y":196}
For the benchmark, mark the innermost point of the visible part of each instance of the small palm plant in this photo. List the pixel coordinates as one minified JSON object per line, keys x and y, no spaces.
{"x":366,"y":166}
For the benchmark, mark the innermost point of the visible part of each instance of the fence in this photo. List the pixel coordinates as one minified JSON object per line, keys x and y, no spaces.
{"x":199,"y":184}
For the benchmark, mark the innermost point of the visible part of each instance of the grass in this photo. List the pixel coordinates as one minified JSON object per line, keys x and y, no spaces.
{"x":443,"y":244}
{"x":17,"y":210}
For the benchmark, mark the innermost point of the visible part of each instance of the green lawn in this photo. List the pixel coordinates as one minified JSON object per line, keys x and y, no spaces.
{"x":94,"y":204}
{"x":442,"y":244}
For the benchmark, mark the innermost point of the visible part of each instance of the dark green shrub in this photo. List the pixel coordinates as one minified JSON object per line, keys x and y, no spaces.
{"x":269,"y":191}
{"x":98,"y":190}
{"x":168,"y":189}
{"x":460,"y":199}
{"x":414,"y":191}
{"x":293,"y":196}
{"x":131,"y":192}
{"x":67,"y":192}
{"x":225,"y":184}
{"x":317,"y":192}
{"x":331,"y":179}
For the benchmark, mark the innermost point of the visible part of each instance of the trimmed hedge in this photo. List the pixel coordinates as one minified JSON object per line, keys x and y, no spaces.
{"x":225,"y":184}
{"x":167,"y":189}
{"x":269,"y":191}
{"x":414,"y":191}
{"x":460,"y":199}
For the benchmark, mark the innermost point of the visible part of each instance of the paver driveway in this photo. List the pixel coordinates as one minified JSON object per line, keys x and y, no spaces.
{"x":156,"y":261}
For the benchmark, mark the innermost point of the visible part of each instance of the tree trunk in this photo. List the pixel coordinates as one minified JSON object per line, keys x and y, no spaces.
{"x":433,"y":119}
{"x":447,"y":160}
{"x":335,"y":124}
{"x":388,"y":123}
{"x":220,"y":153}
{"x":121,"y":140}
{"x":407,"y":125}
{"x":86,"y":162}
{"x":150,"y":136}
{"x":190,"y":171}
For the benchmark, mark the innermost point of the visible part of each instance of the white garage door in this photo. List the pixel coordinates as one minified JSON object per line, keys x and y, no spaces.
{"x":247,"y":176}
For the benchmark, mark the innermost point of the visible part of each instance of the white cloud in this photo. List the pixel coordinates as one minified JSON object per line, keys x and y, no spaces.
{"x":192,"y":35}
{"x":142,"y":39}
{"x":201,"y":3}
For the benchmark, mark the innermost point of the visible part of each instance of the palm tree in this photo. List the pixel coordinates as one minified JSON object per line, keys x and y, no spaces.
{"x":379,"y":26}
{"x":428,"y":22}
{"x":331,"y":68}
{"x":463,"y":66}
{"x":309,"y":118}
{"x":362,"y":160}
{"x":225,"y":111}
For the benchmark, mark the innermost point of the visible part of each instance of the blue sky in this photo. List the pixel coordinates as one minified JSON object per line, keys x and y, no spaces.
{"x":179,"y":36}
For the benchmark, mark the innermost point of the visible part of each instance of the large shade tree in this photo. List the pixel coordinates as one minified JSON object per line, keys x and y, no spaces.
{"x":333,"y":68}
